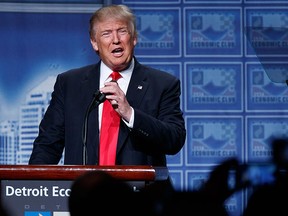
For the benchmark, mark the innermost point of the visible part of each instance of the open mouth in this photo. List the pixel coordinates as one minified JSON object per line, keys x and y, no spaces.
{"x":118,"y":50}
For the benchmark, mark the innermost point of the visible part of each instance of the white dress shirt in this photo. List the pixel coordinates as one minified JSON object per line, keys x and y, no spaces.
{"x":123,"y":83}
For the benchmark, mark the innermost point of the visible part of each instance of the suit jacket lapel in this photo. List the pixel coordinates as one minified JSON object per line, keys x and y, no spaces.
{"x":90,"y":82}
{"x":138,"y":86}
{"x":136,"y":90}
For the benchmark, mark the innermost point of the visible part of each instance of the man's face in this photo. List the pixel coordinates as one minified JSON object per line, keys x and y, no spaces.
{"x":114,"y":42}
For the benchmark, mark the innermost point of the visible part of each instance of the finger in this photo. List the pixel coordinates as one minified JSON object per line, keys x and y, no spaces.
{"x":114,"y":104}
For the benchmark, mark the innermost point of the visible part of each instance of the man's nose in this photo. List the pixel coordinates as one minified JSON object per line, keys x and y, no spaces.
{"x":115,"y":36}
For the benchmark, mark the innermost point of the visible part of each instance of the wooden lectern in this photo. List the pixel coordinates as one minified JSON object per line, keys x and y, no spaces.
{"x":70,"y":172}
{"x":43,"y":188}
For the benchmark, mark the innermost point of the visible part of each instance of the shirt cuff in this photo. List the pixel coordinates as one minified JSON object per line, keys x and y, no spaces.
{"x":131,"y":122}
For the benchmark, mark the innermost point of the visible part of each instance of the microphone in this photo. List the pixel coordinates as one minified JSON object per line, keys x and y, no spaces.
{"x":98,"y":98}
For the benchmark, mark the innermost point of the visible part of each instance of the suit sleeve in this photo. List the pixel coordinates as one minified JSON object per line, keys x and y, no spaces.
{"x":49,"y":144}
{"x":159,"y":125}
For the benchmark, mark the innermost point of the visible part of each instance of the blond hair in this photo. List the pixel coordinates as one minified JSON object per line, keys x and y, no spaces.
{"x":119,"y":12}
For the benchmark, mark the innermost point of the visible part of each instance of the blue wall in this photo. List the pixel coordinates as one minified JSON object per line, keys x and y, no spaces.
{"x":228,"y":55}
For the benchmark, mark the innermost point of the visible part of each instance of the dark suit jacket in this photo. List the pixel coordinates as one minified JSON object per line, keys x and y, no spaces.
{"x":159,"y":127}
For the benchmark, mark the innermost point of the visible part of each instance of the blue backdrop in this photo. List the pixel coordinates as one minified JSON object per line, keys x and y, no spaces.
{"x":229,"y":55}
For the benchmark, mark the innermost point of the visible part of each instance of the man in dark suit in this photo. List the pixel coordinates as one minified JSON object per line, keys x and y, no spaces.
{"x":147,"y":100}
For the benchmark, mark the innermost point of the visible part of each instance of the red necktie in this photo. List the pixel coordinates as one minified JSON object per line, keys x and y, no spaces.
{"x":109,"y":131}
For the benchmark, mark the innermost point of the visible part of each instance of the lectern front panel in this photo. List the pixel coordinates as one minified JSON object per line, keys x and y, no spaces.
{"x":42,"y":197}
{"x":36,"y":197}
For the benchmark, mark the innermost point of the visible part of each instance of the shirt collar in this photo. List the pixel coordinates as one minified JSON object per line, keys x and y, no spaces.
{"x":105,"y":71}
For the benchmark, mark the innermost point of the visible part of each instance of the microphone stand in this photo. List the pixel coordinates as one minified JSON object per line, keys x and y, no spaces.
{"x":98,"y":98}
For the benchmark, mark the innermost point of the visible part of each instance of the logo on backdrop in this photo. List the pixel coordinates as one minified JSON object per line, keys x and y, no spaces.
{"x":212,"y":140}
{"x":263,"y":94}
{"x":261,"y":132}
{"x":213,"y":31}
{"x":158,"y":32}
{"x":214,"y":86}
{"x":267,"y":31}
{"x":196,"y":179}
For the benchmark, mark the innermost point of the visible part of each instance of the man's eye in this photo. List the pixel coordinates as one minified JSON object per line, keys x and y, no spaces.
{"x":123,"y":31}
{"x":105,"y":34}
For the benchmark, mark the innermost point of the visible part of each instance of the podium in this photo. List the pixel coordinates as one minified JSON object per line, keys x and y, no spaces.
{"x":33,"y":190}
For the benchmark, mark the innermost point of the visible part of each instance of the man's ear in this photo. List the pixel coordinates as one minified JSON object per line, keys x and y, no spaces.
{"x":94,"y":44}
{"x":135,"y":41}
